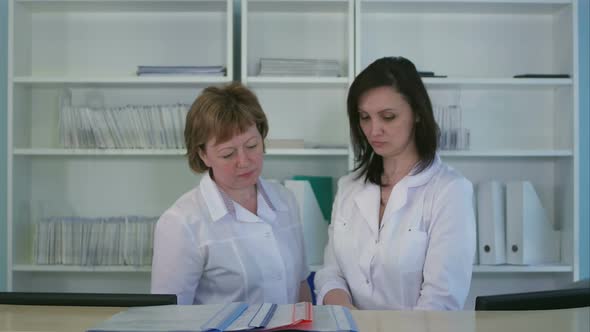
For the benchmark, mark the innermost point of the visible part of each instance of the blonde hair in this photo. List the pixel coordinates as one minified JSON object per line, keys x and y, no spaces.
{"x":220,"y":113}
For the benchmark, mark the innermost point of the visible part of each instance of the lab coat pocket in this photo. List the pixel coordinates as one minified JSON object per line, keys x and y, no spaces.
{"x":342,"y":237}
{"x":413,"y":251}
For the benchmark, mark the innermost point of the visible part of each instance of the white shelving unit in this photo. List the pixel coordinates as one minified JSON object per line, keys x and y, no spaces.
{"x":93,"y":48}
{"x":521,"y":129}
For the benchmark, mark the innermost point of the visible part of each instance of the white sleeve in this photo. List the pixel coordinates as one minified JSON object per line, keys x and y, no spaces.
{"x":330,"y":276}
{"x":449,"y":257}
{"x":177,"y":263}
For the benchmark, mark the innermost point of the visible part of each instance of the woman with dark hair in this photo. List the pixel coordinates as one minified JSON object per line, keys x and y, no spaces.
{"x":403,"y":226}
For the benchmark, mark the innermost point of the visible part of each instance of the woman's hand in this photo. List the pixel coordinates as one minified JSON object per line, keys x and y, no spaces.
{"x":339,"y":297}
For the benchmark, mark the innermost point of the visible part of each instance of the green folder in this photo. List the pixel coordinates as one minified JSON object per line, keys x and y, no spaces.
{"x":322,"y":188}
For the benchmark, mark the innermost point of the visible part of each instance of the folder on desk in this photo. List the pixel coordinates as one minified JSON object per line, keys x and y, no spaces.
{"x":530,"y":237}
{"x":491,"y":223}
{"x":315,"y":227}
{"x":238,"y":316}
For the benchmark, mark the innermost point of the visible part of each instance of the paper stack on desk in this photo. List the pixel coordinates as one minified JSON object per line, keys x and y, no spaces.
{"x":237,"y":316}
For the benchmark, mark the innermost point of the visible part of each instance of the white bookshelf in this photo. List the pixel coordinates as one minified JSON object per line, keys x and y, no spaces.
{"x":521,"y":128}
{"x":114,"y":80}
{"x":93,"y":48}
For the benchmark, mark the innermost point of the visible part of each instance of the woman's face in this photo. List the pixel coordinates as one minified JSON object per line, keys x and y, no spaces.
{"x":236,"y":163}
{"x":387,"y":121}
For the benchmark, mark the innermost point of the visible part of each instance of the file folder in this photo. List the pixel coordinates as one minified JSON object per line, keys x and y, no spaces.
{"x":491,"y":223}
{"x":530,"y":236}
{"x":315,"y":228}
{"x":238,"y":316}
{"x":322,"y":188}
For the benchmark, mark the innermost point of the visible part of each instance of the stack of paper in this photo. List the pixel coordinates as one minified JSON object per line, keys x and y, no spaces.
{"x":94,"y":241}
{"x":132,"y":126}
{"x":230,"y":317}
{"x":453,"y":136}
{"x":299,"y":67}
{"x":181,"y":70}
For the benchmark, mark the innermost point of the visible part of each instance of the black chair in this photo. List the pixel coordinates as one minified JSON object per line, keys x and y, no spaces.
{"x":86,"y":299}
{"x":541,"y":300}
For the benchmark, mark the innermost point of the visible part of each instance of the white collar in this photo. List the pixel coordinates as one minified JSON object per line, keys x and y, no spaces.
{"x":220,"y":204}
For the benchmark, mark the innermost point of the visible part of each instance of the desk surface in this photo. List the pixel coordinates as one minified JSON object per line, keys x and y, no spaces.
{"x":77,"y":319}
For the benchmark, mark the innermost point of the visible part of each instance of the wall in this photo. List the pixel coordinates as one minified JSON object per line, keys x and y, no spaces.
{"x":3,"y":137}
{"x":584,"y":59}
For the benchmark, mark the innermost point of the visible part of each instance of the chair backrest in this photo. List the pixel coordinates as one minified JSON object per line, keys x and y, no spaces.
{"x":542,"y":300}
{"x":86,"y":299}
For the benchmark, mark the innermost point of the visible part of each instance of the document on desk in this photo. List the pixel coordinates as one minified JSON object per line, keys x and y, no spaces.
{"x":238,"y":316}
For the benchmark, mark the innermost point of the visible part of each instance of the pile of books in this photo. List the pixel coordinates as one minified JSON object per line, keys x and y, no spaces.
{"x":237,"y":316}
{"x":299,"y":67}
{"x":181,"y":70}
{"x":133,"y":126}
{"x":125,"y":240}
{"x":453,"y":136}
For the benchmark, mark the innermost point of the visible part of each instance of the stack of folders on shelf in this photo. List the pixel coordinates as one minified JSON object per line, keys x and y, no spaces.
{"x":452,"y":134}
{"x":180,"y":70}
{"x":94,"y":241}
{"x":238,"y":316}
{"x":299,"y":67}
{"x":133,"y":126}
{"x":314,"y":196}
{"x":513,"y":226}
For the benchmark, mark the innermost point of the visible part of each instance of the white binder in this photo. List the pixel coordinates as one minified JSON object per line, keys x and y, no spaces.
{"x":491,"y":223}
{"x":476,"y":256}
{"x":315,"y":228}
{"x":530,"y":237}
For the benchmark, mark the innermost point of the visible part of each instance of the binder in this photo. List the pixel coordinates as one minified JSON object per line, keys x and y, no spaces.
{"x":322,"y":188}
{"x":315,"y":228}
{"x":474,"y":205}
{"x":491,"y":223}
{"x":530,"y":237}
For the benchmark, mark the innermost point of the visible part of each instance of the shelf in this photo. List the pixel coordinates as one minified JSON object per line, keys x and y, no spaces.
{"x":504,"y":268}
{"x":118,"y":80}
{"x":297,"y":6}
{"x":511,"y":7}
{"x":168,"y":152}
{"x":521,"y":269}
{"x":507,"y":153}
{"x":496,"y":82}
{"x":123,"y":5}
{"x":76,"y":268}
{"x":288,"y":152}
{"x":271,"y":81}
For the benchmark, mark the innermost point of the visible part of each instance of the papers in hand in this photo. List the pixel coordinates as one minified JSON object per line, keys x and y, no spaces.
{"x":230,"y":317}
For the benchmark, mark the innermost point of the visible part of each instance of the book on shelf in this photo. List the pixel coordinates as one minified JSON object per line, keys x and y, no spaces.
{"x":237,"y":316}
{"x":299,"y":67}
{"x":279,"y":143}
{"x":181,"y":70}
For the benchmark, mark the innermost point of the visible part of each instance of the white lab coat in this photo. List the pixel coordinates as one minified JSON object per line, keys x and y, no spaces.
{"x":422,"y":256}
{"x":209,"y":249}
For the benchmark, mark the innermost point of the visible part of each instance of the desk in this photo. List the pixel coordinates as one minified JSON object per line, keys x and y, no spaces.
{"x":15,"y":318}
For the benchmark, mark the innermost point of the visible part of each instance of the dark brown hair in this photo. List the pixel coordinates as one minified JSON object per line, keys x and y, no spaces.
{"x":221,"y":113}
{"x":400,"y":74}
